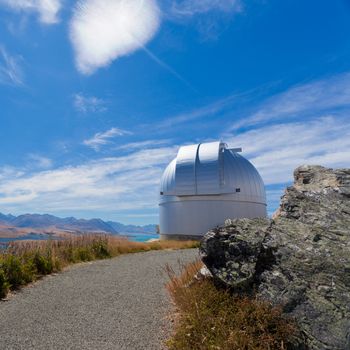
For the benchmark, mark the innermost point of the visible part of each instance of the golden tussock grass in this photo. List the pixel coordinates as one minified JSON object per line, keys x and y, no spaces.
{"x":111,"y":245}
{"x":212,"y":318}
{"x":25,"y":261}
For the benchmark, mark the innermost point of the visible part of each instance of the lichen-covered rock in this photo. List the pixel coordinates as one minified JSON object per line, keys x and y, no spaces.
{"x":300,"y":259}
{"x":232,"y":252}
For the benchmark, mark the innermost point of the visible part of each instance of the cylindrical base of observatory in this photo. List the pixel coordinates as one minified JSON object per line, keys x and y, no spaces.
{"x":183,"y":237}
{"x":193,"y":216}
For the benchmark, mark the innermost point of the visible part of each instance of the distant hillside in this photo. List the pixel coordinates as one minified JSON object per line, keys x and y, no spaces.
{"x":37,"y":221}
{"x":5,"y":219}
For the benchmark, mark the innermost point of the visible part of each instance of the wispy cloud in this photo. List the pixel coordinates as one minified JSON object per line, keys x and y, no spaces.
{"x":307,"y":99}
{"x":220,"y":106}
{"x":106,"y":184}
{"x":8,"y":172}
{"x":278,"y":149}
{"x":209,"y":17}
{"x":165,"y":66}
{"x":104,"y":30}
{"x":132,"y":146}
{"x":10,"y":70}
{"x":89,"y":104}
{"x":39,"y":161}
{"x":201,"y":112}
{"x":189,"y":8}
{"x":47,"y":10}
{"x":103,"y":138}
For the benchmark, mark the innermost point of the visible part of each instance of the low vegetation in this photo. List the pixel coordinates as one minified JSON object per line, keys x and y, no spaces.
{"x":24,"y":262}
{"x":212,"y":318}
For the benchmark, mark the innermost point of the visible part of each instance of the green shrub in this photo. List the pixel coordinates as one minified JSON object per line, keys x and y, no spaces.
{"x":67,"y":254}
{"x":57,"y":264}
{"x":15,"y":272}
{"x":28,"y":271}
{"x":43,"y":264}
{"x":4,"y":285}
{"x":100,"y":249}
{"x":83,"y":254}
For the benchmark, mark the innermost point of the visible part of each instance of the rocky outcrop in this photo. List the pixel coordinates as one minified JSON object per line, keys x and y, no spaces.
{"x":300,"y":259}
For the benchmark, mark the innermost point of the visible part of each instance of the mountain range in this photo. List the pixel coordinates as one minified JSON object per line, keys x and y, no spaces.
{"x":71,"y":224}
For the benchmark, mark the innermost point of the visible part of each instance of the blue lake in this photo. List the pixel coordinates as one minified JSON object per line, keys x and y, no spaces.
{"x":32,"y":236}
{"x":134,"y":237}
{"x":141,"y":237}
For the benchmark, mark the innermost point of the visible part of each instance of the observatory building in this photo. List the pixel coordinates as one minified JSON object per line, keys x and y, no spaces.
{"x":203,"y":186}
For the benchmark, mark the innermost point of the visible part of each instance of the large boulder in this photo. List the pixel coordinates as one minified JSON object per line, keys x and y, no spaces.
{"x":300,"y":259}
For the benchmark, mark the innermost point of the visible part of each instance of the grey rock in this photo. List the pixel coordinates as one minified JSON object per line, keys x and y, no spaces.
{"x":300,"y":259}
{"x":202,"y":274}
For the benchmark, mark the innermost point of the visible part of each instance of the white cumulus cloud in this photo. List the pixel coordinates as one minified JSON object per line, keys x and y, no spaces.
{"x":104,"y":30}
{"x":46,"y":9}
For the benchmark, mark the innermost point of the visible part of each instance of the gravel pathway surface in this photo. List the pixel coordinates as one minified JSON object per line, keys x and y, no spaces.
{"x":119,"y":303}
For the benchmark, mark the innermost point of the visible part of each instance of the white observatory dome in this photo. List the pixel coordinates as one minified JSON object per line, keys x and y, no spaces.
{"x":205,"y":185}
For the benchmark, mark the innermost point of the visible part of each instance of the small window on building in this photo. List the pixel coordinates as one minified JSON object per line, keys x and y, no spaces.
{"x":161,"y":193}
{"x":238,"y":190}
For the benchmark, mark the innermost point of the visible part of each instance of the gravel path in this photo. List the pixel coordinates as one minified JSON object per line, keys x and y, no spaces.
{"x":117,"y":304}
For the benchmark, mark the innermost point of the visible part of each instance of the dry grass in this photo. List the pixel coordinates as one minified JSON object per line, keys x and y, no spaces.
{"x":114,"y":246}
{"x":212,"y":318}
{"x":25,"y":261}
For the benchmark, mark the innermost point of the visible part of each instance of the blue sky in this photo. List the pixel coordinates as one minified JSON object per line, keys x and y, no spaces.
{"x":97,"y":95}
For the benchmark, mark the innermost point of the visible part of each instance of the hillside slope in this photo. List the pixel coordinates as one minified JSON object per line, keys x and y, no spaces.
{"x":50,"y":223}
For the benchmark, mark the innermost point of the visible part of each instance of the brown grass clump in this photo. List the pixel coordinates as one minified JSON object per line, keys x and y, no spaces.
{"x":25,"y":261}
{"x":95,"y":246}
{"x":212,"y":318}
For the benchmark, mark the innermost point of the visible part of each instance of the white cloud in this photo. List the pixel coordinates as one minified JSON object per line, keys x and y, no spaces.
{"x":106,"y":185}
{"x":47,"y":10}
{"x":103,"y":138}
{"x":209,"y":17}
{"x":143,"y":144}
{"x":165,"y":66}
{"x":141,"y":215}
{"x":89,"y":104}
{"x":201,"y":112}
{"x":40,"y":161}
{"x":278,"y":149}
{"x":103,"y":30}
{"x":189,"y":8}
{"x":308,"y":99}
{"x":10,"y":70}
{"x":8,"y":172}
